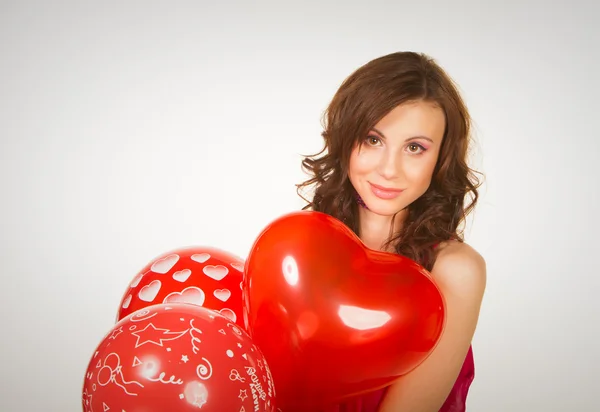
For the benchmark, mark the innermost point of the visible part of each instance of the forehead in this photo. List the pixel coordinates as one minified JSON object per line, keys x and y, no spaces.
{"x":413,"y":119}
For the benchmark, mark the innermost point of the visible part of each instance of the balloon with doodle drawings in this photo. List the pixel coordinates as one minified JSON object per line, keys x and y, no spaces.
{"x":199,"y":275}
{"x":177,"y":357}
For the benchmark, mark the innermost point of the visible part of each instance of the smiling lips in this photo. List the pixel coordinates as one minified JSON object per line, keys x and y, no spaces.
{"x":385,"y":192}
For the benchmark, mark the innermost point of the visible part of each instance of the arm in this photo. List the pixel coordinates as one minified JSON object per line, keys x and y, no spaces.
{"x":460,"y":273}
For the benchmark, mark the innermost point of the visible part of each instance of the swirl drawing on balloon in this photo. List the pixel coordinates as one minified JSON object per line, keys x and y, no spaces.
{"x":235,"y":329}
{"x":142,"y":315}
{"x":194,"y":332}
{"x":204,"y":370}
{"x":161,"y":379}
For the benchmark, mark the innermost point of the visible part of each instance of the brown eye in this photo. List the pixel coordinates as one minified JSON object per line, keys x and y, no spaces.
{"x":415,"y":148}
{"x":372,"y":140}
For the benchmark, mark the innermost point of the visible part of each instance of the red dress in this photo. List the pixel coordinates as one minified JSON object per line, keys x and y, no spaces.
{"x":455,"y":402}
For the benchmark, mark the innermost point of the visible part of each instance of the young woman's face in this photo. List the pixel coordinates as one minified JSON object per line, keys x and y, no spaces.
{"x":394,"y":164}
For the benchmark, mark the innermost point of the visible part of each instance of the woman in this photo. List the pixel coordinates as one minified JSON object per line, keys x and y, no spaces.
{"x":394,"y":170}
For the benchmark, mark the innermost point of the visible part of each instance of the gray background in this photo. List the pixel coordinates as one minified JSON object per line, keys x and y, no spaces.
{"x":132,"y":128}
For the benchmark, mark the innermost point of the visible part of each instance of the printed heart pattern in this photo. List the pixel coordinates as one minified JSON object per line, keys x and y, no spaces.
{"x":182,"y":275}
{"x":192,"y":294}
{"x":217,"y":272}
{"x":200,"y":257}
{"x":148,"y":293}
{"x":126,"y":302}
{"x":222,"y":294}
{"x":203,"y":276}
{"x":163,"y":265}
{"x":228,"y":313}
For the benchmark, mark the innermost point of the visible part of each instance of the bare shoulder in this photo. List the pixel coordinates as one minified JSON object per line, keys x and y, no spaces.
{"x":460,"y":268}
{"x":460,"y":273}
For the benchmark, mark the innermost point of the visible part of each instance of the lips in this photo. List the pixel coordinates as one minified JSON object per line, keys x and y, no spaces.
{"x":386,"y":189}
{"x":385,"y":193}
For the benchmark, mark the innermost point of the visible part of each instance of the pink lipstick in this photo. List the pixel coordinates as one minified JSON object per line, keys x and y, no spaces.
{"x":386,"y":193}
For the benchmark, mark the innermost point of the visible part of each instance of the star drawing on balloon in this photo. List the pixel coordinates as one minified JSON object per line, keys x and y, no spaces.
{"x":116,"y":333}
{"x":152,"y":334}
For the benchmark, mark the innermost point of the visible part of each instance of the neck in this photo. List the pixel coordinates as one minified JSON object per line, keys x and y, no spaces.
{"x":375,"y":230}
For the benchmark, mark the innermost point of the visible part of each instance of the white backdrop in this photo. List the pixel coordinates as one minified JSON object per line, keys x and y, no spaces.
{"x":133,"y":128}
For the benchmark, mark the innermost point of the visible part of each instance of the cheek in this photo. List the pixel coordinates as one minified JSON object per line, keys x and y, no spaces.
{"x":420,"y":172}
{"x":364,"y":162}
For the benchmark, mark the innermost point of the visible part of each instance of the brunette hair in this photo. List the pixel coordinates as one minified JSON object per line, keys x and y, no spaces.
{"x":365,"y":97}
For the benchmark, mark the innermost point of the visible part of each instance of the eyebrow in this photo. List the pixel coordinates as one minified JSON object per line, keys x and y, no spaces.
{"x":407,"y":140}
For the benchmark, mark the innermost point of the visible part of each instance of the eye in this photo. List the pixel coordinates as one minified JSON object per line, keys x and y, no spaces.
{"x":372,"y":140}
{"x":416,"y":148}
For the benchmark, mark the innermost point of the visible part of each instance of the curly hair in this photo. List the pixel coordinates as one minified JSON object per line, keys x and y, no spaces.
{"x":364,"y":98}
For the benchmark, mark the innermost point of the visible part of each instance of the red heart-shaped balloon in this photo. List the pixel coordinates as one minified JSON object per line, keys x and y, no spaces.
{"x":334,"y":318}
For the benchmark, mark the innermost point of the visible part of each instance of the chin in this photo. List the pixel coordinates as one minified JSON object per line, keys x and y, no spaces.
{"x":384,"y":207}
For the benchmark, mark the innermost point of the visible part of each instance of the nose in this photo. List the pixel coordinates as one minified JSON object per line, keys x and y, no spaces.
{"x":389,"y":167}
